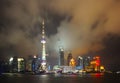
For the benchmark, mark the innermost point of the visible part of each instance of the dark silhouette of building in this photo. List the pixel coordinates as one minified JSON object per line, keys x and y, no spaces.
{"x":61,"y":56}
{"x":87,"y":60}
{"x":69,"y":58}
{"x":14,"y":64}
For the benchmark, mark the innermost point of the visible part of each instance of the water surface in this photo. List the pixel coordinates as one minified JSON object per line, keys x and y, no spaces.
{"x":58,"y":78}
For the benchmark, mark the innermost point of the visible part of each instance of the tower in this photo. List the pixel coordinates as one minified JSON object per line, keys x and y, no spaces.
{"x":43,"y":41}
{"x":61,"y":56}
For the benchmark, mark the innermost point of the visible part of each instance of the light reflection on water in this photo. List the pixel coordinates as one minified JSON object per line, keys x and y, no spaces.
{"x":60,"y":78}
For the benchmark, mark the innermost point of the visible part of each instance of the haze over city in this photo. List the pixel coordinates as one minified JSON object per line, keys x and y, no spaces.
{"x":84,"y":27}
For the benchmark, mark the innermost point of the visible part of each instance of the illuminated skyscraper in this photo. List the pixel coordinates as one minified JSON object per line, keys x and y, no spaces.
{"x":43,"y":41}
{"x":95,"y":63}
{"x":80,"y":61}
{"x":72,"y":62}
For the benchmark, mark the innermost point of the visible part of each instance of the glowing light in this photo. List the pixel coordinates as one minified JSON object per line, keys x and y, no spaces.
{"x":89,"y":57}
{"x":35,"y":56}
{"x":20,"y":59}
{"x":11,"y":59}
{"x":97,"y":75}
{"x":102,"y":67}
{"x":43,"y":41}
{"x":19,"y":63}
{"x":43,"y":63}
{"x":97,"y":57}
{"x":72,"y":62}
{"x":80,"y":57}
{"x":92,"y":62}
{"x":61,"y":48}
{"x":97,"y":62}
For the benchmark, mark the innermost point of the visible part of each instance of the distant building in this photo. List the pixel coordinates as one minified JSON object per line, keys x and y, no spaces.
{"x":80,"y":61}
{"x":61,"y":56}
{"x":17,"y":64}
{"x":29,"y":63}
{"x":89,"y":64}
{"x":21,"y":64}
{"x":95,"y":64}
{"x":72,"y":62}
{"x":33,"y":63}
{"x":87,"y":60}
{"x":69,"y":58}
{"x":67,"y":69}
{"x":79,"y":64}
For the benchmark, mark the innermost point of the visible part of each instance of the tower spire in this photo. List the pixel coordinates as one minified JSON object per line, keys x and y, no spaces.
{"x":43,"y":29}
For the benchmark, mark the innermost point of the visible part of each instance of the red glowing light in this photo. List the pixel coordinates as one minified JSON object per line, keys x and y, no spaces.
{"x":97,"y":75}
{"x":98,"y":62}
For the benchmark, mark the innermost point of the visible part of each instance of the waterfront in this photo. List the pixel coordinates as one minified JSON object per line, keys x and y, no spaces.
{"x":58,"y":78}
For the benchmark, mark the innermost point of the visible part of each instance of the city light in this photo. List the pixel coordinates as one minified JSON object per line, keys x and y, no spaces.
{"x":80,"y":57}
{"x":43,"y":63}
{"x":20,"y":59}
{"x":102,"y":67}
{"x":72,"y":62}
{"x":35,"y":56}
{"x":11,"y":59}
{"x":43,"y":41}
{"x":20,"y":65}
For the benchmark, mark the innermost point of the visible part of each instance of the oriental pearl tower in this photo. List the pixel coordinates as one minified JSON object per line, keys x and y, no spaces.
{"x":43,"y":42}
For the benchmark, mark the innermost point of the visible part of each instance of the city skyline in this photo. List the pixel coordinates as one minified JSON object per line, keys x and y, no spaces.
{"x":84,"y":27}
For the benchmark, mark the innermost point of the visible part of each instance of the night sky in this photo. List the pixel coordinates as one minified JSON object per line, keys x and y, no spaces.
{"x":84,"y":27}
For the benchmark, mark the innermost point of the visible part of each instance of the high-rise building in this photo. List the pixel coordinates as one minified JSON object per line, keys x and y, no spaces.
{"x":29,"y":63}
{"x":43,"y":41}
{"x":61,"y":56}
{"x":80,"y":61}
{"x":80,"y":64}
{"x":95,"y":63}
{"x":17,"y":64}
{"x":69,"y":58}
{"x":72,"y":62}
{"x":21,"y":64}
{"x":87,"y":60}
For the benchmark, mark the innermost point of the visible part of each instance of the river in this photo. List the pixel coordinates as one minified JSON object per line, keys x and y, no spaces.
{"x":58,"y":78}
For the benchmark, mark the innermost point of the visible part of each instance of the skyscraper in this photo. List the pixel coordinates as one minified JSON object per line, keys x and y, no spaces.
{"x":80,"y":63}
{"x":69,"y":58}
{"x":87,"y":60}
{"x":61,"y":56}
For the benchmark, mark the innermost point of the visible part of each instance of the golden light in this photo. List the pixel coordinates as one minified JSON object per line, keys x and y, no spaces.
{"x":20,"y":59}
{"x":72,"y":62}
{"x":102,"y":67}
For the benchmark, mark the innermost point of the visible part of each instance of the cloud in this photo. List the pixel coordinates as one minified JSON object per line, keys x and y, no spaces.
{"x":83,"y":26}
{"x":91,"y":21}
